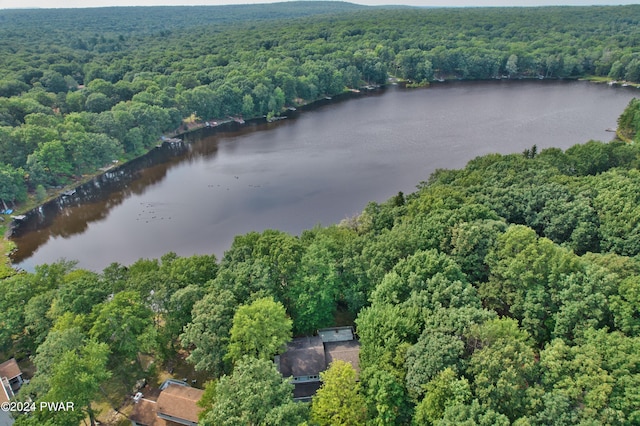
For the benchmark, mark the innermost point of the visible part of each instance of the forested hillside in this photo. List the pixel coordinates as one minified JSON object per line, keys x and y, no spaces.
{"x":81,"y":88}
{"x":502,"y":293}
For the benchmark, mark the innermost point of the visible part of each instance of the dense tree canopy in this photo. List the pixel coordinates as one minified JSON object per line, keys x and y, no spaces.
{"x":503,"y":293}
{"x":79,"y":91}
{"x":468,"y":308}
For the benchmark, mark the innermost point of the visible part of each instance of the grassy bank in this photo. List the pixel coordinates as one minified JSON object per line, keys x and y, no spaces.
{"x":596,"y":79}
{"x":6,"y":247}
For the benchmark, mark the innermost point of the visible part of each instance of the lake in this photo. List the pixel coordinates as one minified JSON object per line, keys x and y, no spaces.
{"x":317,"y":167}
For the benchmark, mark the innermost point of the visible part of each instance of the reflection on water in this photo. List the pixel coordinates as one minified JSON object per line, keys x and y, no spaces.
{"x":316,"y":167}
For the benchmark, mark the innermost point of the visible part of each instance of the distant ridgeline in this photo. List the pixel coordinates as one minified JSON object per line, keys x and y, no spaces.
{"x":80,"y":88}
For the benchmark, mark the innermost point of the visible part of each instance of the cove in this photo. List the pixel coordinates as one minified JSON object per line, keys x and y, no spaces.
{"x":317,"y":167}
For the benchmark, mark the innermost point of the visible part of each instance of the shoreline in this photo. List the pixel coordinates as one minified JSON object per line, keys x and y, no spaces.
{"x":7,"y":247}
{"x":200,"y":129}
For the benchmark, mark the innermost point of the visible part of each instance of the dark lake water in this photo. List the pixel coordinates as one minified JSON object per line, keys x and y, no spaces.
{"x":317,"y":167}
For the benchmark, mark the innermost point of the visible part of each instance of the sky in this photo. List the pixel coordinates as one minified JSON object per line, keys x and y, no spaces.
{"x":6,"y":4}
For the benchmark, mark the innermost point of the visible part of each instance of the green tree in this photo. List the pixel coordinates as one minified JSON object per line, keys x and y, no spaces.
{"x":422,"y":272}
{"x":526,"y":279}
{"x":512,"y":65}
{"x":626,"y":306}
{"x":247,"y":105}
{"x":98,"y":102}
{"x":91,"y":150}
{"x":207,"y":335}
{"x":80,"y":291}
{"x":75,"y":101}
{"x":126,"y":325}
{"x":54,"y":82}
{"x":434,"y":352}
{"x":37,"y":323}
{"x":471,"y":242}
{"x":260,"y":329}
{"x":338,"y":401}
{"x":386,"y":332}
{"x":473,"y":414}
{"x":178,"y":312}
{"x":12,"y":185}
{"x":445,"y":390}
{"x":594,"y":380}
{"x":386,"y":398}
{"x":617,"y":206}
{"x":77,"y":378}
{"x":254,"y":394}
{"x":11,"y":87}
{"x":313,"y":294}
{"x":50,"y":164}
{"x":503,"y":369}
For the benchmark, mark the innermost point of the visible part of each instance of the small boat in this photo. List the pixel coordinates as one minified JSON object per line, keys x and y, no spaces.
{"x":172,"y":140}
{"x":69,"y":192}
{"x":19,"y":217}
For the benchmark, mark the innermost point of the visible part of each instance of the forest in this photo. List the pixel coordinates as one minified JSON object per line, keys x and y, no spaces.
{"x":507,"y":292}
{"x":82,"y":88}
{"x":504,"y":293}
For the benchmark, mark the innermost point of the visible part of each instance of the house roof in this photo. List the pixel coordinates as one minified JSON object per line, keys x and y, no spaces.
{"x":309,"y":356}
{"x":345,"y":351}
{"x":336,"y":334}
{"x":10,"y":369}
{"x":180,"y":402}
{"x":304,"y":357}
{"x":144,"y":413}
{"x":305,"y":390}
{"x":4,"y":395}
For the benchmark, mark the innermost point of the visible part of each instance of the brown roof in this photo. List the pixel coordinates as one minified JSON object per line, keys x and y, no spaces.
{"x":306,"y":390}
{"x":3,"y":394}
{"x":10,"y":369}
{"x":144,"y":413}
{"x":304,"y":357}
{"x":180,"y":402}
{"x":345,"y":351}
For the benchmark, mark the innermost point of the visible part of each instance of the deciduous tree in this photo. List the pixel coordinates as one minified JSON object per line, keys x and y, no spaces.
{"x":338,"y":401}
{"x":254,"y":394}
{"x":260,"y":330}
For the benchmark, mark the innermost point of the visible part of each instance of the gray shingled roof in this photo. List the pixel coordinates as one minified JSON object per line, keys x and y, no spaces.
{"x":345,"y":351}
{"x":304,"y":357}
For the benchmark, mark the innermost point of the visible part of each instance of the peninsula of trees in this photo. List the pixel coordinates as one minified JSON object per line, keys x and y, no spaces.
{"x":81,"y":88}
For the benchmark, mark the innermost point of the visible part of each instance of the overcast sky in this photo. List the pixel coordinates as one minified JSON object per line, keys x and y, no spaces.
{"x":96,"y":3}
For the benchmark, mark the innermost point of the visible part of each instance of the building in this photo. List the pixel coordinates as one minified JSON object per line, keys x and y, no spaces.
{"x":174,"y":406}
{"x":11,"y":378}
{"x":306,"y":357}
